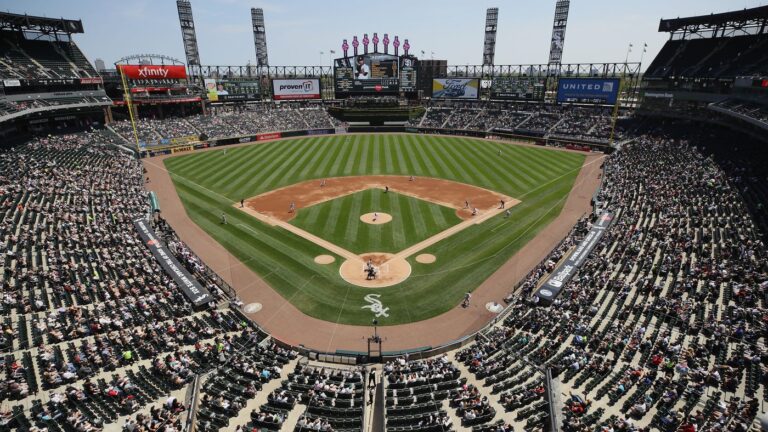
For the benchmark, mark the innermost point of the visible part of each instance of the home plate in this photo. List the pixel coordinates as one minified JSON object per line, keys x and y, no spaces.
{"x":252,"y":308}
{"x":494,"y":307}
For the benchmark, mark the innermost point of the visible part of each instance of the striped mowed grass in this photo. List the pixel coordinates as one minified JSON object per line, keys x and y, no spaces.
{"x":338,"y":221}
{"x":208,"y":183}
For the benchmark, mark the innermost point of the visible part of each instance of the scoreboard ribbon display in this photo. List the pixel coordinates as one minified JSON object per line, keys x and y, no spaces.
{"x":588,"y":90}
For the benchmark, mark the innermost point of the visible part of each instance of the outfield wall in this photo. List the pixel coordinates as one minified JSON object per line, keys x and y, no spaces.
{"x":573,"y":144}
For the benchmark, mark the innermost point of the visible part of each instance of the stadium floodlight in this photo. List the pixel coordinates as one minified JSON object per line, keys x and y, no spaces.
{"x":558,"y":35}
{"x":259,"y":36}
{"x":187,"y":23}
{"x":489,"y":46}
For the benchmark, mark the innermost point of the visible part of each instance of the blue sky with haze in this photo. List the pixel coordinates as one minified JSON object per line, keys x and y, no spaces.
{"x":298,"y":30}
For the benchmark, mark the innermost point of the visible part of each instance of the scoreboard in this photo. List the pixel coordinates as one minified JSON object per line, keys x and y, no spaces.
{"x":346,"y":82}
{"x":519,"y":88}
{"x":408,"y":74}
{"x":375,"y":73}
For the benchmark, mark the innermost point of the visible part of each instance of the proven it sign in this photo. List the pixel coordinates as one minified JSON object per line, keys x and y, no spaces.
{"x":154,"y":72}
{"x":292,"y":89}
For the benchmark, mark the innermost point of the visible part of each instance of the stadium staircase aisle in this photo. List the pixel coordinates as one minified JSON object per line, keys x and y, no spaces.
{"x":293,"y":417}
{"x":455,"y":419}
{"x":371,"y":423}
{"x":244,"y":417}
{"x":484,"y":391}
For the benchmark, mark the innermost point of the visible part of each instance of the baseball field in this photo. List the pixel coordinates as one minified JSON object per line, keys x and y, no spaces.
{"x":424,"y":211}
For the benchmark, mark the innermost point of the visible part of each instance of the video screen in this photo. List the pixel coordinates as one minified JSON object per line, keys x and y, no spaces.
{"x":230,"y":90}
{"x":371,"y":66}
{"x":455,"y":88}
{"x":519,"y":88}
{"x":367,"y":74}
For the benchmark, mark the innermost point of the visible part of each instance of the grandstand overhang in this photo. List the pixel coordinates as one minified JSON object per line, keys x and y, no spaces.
{"x":746,"y":21}
{"x":21,"y":22}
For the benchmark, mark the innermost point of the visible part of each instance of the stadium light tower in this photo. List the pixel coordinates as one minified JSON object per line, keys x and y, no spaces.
{"x":188,"y":35}
{"x":259,"y":36}
{"x":558,"y":34}
{"x":489,"y":47}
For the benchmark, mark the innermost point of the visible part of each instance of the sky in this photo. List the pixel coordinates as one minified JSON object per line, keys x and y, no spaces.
{"x":299,"y":30}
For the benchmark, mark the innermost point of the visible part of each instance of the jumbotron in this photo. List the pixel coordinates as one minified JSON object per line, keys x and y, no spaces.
{"x":386,"y":242}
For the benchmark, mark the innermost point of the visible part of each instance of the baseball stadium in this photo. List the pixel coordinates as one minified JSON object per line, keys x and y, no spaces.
{"x":383,"y":241}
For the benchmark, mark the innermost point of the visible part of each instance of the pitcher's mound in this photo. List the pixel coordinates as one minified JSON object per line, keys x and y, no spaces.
{"x":391,"y":271}
{"x":425,"y":258}
{"x":324,"y":259}
{"x":376,"y":218}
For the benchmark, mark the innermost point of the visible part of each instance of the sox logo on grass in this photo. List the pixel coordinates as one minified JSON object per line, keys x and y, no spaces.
{"x":375,"y":305}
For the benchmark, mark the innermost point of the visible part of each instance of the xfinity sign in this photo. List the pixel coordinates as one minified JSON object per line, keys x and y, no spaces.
{"x":588,"y":90}
{"x":288,"y":89}
{"x":153,"y":72}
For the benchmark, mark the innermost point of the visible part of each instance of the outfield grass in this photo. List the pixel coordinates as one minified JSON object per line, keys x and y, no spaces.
{"x":210,"y":182}
{"x":338,"y":221}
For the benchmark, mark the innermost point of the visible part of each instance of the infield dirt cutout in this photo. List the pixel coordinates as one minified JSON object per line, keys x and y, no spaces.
{"x":279,"y":206}
{"x":425,"y":258}
{"x":324,"y":259}
{"x":376,"y":218}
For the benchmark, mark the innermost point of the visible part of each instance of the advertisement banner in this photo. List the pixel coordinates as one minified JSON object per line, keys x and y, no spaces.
{"x":455,"y":88}
{"x":95,"y":80}
{"x":195,"y":292}
{"x":320,"y":131}
{"x":557,"y":280}
{"x":210,"y":89}
{"x":292,"y":89}
{"x":11,"y":83}
{"x":183,"y":140}
{"x":588,"y":90}
{"x":154,"y":71}
{"x":268,"y":136}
